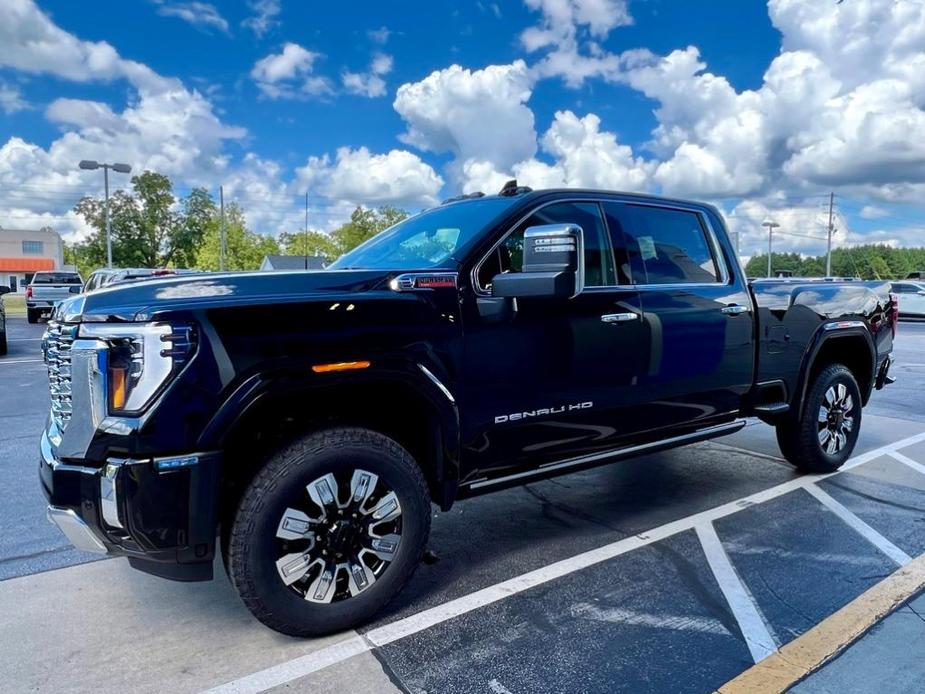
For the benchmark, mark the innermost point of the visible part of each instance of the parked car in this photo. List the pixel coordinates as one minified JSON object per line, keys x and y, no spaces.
{"x":107,"y":276}
{"x":3,"y":290}
{"x":47,"y":289}
{"x":911,"y":299}
{"x":310,"y":420}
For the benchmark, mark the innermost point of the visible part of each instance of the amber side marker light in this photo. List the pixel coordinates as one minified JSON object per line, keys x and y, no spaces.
{"x":117,"y":387}
{"x":340,"y":366}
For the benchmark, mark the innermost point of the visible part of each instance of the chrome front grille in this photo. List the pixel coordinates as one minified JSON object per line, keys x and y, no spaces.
{"x":57,"y":348}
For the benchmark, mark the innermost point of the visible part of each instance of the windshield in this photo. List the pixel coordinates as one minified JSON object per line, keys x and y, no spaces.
{"x":430,"y":239}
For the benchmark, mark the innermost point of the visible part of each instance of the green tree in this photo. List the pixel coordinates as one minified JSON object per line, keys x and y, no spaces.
{"x":363,"y":225}
{"x":309,"y":243}
{"x":244,"y":249}
{"x":148,"y":230}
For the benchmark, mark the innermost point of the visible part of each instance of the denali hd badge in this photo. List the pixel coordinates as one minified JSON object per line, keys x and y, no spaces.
{"x":542,"y":412}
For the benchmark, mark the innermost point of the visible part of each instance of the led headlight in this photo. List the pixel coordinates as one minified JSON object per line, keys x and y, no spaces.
{"x":142,"y":359}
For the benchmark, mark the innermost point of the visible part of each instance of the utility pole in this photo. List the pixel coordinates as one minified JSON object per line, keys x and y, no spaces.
{"x":771,"y":227}
{"x":828,"y":254}
{"x":305,"y":245}
{"x":221,"y":238}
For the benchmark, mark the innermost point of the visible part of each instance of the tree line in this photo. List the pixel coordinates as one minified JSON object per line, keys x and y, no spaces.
{"x":152,"y":227}
{"x":871,"y":262}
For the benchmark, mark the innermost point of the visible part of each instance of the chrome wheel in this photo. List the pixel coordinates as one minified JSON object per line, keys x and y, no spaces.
{"x":835,"y":421}
{"x":339,"y":537}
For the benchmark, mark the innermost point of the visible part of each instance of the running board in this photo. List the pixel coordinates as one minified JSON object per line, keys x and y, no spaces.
{"x":552,"y":468}
{"x":773,"y":408}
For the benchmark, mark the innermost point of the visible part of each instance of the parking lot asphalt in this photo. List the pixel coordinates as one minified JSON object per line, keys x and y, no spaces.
{"x":672,"y":572}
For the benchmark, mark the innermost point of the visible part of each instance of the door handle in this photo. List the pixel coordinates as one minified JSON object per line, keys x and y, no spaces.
{"x":734,"y":310}
{"x":619,"y":317}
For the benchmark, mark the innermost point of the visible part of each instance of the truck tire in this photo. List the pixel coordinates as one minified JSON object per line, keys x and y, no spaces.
{"x":32,"y":315}
{"x":2,"y":343}
{"x":824,"y":435}
{"x":329,"y":530}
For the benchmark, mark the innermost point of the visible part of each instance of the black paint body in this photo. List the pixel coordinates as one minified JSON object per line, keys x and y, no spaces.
{"x":502,"y":388}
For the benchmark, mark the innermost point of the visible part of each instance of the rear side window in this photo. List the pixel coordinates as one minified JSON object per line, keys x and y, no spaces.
{"x":662,"y":246}
{"x":599,"y":265}
{"x":56,"y":278}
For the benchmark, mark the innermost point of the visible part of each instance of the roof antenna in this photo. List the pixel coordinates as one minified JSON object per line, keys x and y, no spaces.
{"x":509,"y":188}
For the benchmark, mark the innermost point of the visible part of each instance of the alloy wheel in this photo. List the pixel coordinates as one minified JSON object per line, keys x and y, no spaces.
{"x":836,"y":421}
{"x":338,"y":538}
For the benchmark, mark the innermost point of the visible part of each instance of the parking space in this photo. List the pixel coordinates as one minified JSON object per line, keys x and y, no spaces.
{"x":673,"y":572}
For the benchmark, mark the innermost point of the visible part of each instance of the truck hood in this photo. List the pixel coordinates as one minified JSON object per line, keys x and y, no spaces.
{"x":146,"y":300}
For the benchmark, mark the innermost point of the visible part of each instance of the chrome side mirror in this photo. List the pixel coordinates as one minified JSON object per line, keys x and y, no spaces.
{"x":553,"y":264}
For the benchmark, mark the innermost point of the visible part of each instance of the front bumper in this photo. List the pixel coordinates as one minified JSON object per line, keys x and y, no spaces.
{"x":159,"y":512}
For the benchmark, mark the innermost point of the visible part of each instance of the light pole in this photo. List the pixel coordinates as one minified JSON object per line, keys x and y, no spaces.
{"x":771,"y":227}
{"x":89,"y":165}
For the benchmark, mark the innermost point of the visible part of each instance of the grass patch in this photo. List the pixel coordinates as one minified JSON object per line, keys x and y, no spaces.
{"x":15,"y":305}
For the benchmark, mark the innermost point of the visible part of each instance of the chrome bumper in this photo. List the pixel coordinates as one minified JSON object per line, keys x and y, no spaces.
{"x":77,"y":532}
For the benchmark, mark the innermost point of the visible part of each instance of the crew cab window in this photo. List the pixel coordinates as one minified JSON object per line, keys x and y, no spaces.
{"x":660,"y":245}
{"x":905,"y":288}
{"x":599,"y":265}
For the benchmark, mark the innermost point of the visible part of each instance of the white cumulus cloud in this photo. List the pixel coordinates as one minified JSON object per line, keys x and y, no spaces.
{"x":360,"y":177}
{"x":289,"y":74}
{"x":370,"y":83}
{"x":473,"y":114}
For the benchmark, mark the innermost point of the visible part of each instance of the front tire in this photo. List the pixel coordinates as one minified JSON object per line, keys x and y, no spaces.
{"x":826,"y":432}
{"x":329,"y":531}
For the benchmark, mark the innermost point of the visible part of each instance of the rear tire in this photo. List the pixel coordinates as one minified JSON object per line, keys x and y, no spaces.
{"x":355,"y":562}
{"x":32,"y":315}
{"x":826,"y":432}
{"x":2,"y":343}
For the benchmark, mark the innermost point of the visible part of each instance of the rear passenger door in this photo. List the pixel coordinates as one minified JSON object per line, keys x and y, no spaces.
{"x":696,"y":310}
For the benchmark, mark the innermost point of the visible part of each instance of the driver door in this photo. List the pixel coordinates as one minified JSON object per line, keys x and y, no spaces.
{"x":549,"y":379}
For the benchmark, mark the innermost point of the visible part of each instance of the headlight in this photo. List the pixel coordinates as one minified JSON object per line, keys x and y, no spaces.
{"x":142,"y":359}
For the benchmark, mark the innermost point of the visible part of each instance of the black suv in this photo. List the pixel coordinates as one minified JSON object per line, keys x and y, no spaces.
{"x":310,"y":419}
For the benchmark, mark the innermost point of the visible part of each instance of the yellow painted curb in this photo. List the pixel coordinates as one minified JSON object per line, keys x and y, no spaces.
{"x":807,"y":653}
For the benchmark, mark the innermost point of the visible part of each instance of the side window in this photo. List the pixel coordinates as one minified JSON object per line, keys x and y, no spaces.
{"x":903,"y":289}
{"x":662,"y":246}
{"x":599,"y":265}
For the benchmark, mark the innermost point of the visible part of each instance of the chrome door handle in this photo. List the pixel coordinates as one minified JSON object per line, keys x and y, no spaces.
{"x":618,"y":317}
{"x":734,"y":310}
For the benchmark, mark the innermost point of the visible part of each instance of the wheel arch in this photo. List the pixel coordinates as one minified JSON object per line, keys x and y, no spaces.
{"x":269,"y":410}
{"x":852,"y":346}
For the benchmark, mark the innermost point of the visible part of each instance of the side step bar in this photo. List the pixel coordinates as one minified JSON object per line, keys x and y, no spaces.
{"x":772,"y":409}
{"x":550,"y":469}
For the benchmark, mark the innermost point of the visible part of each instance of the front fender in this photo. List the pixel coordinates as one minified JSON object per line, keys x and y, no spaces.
{"x":426,"y":379}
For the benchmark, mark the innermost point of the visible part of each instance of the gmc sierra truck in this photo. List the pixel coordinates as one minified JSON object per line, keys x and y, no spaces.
{"x":303,"y":423}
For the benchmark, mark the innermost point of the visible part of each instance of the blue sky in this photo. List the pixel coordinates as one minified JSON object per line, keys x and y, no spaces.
{"x":749,"y":104}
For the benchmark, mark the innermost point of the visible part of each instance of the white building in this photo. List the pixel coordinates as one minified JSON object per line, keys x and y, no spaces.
{"x":24,"y":252}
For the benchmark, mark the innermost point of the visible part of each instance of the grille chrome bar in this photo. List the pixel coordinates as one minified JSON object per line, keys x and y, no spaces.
{"x":57,"y":347}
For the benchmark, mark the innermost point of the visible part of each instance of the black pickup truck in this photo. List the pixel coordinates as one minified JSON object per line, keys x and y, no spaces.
{"x":306,"y":421}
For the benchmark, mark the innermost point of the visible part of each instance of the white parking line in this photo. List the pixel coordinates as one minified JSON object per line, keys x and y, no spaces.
{"x":19,"y":361}
{"x":918,"y":467}
{"x":616,"y":615}
{"x":278,"y":675}
{"x":744,"y":608}
{"x":860,"y":527}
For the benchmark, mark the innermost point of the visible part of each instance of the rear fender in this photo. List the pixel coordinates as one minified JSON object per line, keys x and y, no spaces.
{"x":823,"y":339}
